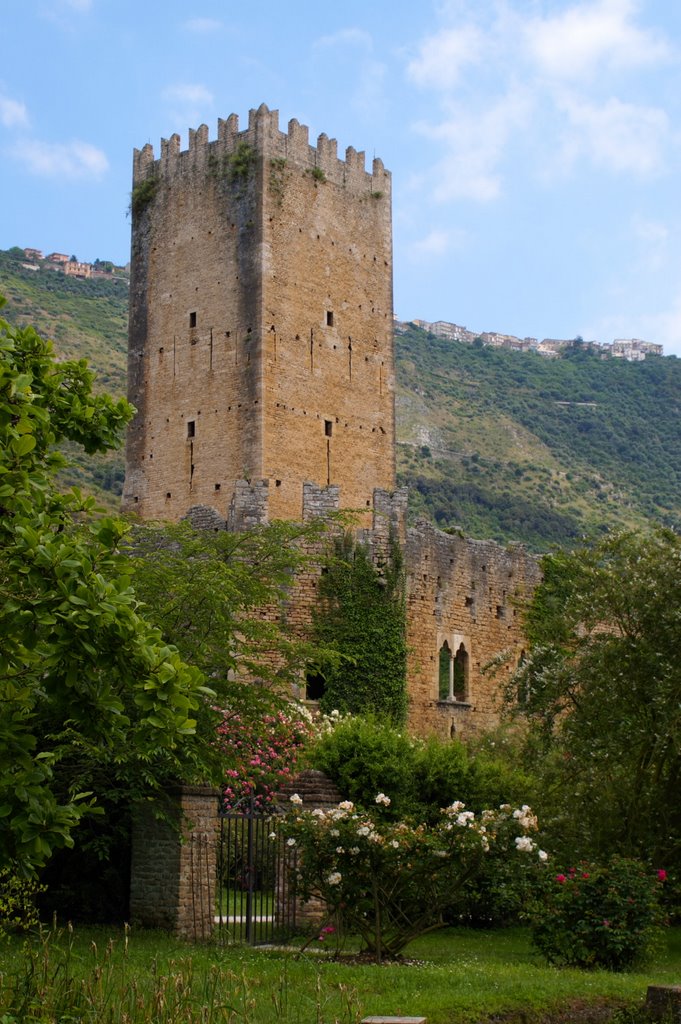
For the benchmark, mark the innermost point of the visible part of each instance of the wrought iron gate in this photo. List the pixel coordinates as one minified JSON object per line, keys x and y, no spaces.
{"x":255,"y":900}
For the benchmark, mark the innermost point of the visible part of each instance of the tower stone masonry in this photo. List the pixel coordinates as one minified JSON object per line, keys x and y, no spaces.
{"x":260,"y":321}
{"x":261,"y":366}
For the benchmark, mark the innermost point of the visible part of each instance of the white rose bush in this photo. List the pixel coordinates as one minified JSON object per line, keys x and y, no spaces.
{"x":388,"y":881}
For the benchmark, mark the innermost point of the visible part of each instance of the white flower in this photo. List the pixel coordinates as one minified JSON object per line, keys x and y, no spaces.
{"x":395,"y":844}
{"x":524,"y":844}
{"x":439,"y":853}
{"x":295,"y":799}
{"x":272,"y":835}
{"x":383,"y":799}
{"x":543,"y":855}
{"x":339,"y":849}
{"x":335,"y":713}
{"x":334,"y":878}
{"x":454,"y":808}
{"x":375,"y":837}
{"x":334,"y":832}
{"x":354,"y":850}
{"x":291,"y":842}
{"x":465,"y":818}
{"x":363,"y":830}
{"x":346,"y":805}
{"x":318,"y":813}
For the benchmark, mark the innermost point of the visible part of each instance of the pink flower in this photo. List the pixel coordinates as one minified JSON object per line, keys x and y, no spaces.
{"x":561,"y":879}
{"x":585,"y":874}
{"x":606,"y":923}
{"x":662,"y":875}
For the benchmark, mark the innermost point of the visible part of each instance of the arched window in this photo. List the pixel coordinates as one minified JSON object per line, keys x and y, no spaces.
{"x":444,"y":672}
{"x":461,"y":674}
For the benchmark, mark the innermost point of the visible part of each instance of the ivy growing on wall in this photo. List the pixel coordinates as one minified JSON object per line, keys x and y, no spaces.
{"x":362,"y":613}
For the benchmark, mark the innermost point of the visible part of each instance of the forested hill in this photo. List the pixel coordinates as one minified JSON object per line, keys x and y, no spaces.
{"x":516,"y":446}
{"x":499,"y":444}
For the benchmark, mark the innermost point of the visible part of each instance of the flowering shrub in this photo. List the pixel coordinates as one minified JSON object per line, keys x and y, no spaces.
{"x":261,"y":752}
{"x":593,"y":916}
{"x":389,"y":881}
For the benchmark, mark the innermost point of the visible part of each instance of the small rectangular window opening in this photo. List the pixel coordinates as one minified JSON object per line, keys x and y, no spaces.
{"x":191,"y":428}
{"x":192,"y":319}
{"x":218,"y":486}
{"x":329,"y":318}
{"x":328,"y":428}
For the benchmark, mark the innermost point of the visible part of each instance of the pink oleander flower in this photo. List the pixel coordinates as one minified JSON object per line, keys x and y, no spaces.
{"x":561,"y":879}
{"x":662,"y":875}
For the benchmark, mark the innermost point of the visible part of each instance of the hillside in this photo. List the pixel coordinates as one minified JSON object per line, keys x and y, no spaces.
{"x":495,"y":443}
{"x":86,"y":320}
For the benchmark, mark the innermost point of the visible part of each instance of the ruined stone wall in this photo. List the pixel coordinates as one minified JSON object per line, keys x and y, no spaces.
{"x":462,"y":592}
{"x":260,"y":321}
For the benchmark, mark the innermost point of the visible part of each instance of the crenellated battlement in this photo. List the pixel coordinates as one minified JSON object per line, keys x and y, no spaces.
{"x":263,"y":136}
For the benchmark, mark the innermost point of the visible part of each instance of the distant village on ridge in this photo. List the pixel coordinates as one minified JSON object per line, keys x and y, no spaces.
{"x":631,"y":349}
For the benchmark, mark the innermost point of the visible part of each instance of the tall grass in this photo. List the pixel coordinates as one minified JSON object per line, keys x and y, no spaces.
{"x":452,"y":977}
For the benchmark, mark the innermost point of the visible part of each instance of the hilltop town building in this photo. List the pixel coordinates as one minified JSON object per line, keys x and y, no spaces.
{"x":261,"y":366}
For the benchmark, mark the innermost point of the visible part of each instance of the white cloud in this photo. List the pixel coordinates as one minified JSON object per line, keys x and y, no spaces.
{"x":652,"y":232}
{"x":616,"y":136}
{"x":345,"y":37}
{"x":474,"y":143}
{"x":443,"y":56}
{"x":586,"y":37}
{"x":188,"y":102}
{"x":13,"y":114}
{"x":435,"y":243}
{"x":661,"y":328}
{"x":71,"y":160}
{"x":203,"y":25}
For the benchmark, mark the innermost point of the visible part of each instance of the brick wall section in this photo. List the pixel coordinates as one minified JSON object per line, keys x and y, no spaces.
{"x":316,"y":790}
{"x":261,"y":322}
{"x":463,"y":592}
{"x":173,"y":866}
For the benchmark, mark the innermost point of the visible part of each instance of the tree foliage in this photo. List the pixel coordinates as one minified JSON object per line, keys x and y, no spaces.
{"x":90,"y":694}
{"x":602,"y":693}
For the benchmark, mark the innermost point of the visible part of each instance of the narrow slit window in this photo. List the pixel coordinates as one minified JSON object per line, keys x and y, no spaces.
{"x":191,"y":428}
{"x":329,"y":318}
{"x":328,"y":428}
{"x":192,"y":319}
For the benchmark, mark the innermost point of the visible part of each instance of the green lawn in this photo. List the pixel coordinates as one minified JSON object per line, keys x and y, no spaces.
{"x":456,"y":975}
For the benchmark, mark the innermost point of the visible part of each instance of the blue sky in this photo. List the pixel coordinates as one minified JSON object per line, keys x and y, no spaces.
{"x":535,"y":145}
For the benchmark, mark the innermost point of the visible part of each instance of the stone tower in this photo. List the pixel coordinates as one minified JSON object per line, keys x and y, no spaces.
{"x":260,"y":322}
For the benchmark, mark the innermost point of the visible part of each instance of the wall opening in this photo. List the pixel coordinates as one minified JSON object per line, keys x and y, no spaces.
{"x":315,"y":686}
{"x":461,"y":662}
{"x":191,"y":428}
{"x":192,"y":319}
{"x":445,"y":659}
{"x":328,"y":428}
{"x":329,"y":318}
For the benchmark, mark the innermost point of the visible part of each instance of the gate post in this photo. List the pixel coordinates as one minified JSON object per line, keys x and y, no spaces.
{"x":173,"y":863}
{"x":317,"y":791}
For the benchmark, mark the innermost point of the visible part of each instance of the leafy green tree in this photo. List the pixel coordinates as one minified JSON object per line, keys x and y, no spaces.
{"x":91,"y":696}
{"x":602,"y":693}
{"x":362,"y":614}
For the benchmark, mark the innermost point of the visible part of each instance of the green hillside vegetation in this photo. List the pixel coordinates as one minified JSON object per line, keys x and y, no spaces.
{"x":497,"y":444}
{"x":515,"y":446}
{"x":86,"y":319}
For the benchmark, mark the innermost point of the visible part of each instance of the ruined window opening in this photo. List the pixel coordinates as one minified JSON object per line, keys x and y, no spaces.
{"x":315,"y":686}
{"x":277,"y":483}
{"x":461,"y":661}
{"x":469,"y":602}
{"x":192,"y":319}
{"x":218,"y":486}
{"x":191,"y":428}
{"x":329,"y":318}
{"x":501,"y":611}
{"x":445,"y":660}
{"x":167,"y":495}
{"x":328,"y":428}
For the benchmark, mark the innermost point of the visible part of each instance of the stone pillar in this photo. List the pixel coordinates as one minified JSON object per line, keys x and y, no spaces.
{"x":316,"y":791}
{"x":173,"y":863}
{"x":663,"y":1002}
